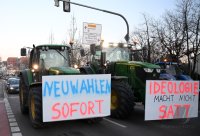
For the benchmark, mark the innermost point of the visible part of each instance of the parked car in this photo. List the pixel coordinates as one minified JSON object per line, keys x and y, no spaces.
{"x":13,"y":85}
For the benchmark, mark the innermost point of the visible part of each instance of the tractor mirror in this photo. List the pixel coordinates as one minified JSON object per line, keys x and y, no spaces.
{"x":92,"y":49}
{"x":82,"y":52}
{"x":23,"y":51}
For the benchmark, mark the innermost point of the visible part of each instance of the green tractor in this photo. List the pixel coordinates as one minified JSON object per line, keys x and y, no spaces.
{"x":128,"y":75}
{"x":43,"y":60}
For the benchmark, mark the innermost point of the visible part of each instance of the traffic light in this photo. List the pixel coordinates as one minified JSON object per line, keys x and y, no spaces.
{"x":56,"y":3}
{"x":66,"y":6}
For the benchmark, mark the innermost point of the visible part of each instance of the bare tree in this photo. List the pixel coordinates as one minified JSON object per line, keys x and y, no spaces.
{"x":140,"y":42}
{"x":171,"y":35}
{"x":176,"y":34}
{"x":195,"y":30}
{"x":184,"y":11}
{"x":76,"y":46}
{"x":147,"y":40}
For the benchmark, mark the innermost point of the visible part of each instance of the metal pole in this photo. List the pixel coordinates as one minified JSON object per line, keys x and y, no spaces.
{"x":114,"y":13}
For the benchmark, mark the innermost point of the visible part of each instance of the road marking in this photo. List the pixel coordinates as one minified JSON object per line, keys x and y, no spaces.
{"x":14,"y":97}
{"x":12,"y":120}
{"x":13,"y":124}
{"x":11,"y":116}
{"x":16,"y":134}
{"x":15,"y":129}
{"x":113,"y":122}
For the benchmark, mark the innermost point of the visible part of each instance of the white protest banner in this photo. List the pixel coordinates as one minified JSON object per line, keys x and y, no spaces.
{"x":171,"y":99}
{"x":68,"y":97}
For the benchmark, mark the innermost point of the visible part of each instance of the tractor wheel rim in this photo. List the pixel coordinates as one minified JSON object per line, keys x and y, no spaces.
{"x":32,"y":107}
{"x":114,"y":100}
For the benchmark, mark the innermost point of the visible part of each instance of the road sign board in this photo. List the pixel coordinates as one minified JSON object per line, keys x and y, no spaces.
{"x":91,"y":33}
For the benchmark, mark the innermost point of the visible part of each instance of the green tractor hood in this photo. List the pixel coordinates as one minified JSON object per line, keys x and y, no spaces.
{"x":138,"y":63}
{"x":144,"y":64}
{"x":63,"y":71}
{"x":137,"y":72}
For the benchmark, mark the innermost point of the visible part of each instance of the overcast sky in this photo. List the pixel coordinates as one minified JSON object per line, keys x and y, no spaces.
{"x":27,"y":22}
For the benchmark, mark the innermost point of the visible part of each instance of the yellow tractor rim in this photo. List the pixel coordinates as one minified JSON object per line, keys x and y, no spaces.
{"x":114,"y":100}
{"x":32,"y":107}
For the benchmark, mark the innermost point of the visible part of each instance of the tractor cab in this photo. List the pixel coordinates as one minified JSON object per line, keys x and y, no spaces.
{"x":172,"y":71}
{"x":115,"y":59}
{"x":117,"y":53}
{"x":49,"y":60}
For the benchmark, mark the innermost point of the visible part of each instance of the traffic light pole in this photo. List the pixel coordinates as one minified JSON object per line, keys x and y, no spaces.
{"x":106,"y":11}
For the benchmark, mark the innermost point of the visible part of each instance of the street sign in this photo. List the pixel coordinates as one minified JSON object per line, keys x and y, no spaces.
{"x":91,"y":33}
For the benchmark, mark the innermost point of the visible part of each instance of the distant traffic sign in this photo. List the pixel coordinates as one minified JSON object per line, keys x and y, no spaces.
{"x":91,"y":33}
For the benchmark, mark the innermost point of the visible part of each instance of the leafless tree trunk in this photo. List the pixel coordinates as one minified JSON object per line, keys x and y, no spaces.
{"x":196,"y":36}
{"x":147,"y":40}
{"x":184,"y":9}
{"x":75,"y":41}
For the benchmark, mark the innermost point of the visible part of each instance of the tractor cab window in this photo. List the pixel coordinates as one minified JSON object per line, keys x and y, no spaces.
{"x":54,"y":58}
{"x":97,"y":56}
{"x":117,"y":54}
{"x":173,"y":69}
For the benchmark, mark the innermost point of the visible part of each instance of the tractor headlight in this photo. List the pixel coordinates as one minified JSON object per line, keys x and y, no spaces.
{"x":75,"y":66}
{"x":158,"y":70}
{"x":148,"y":70}
{"x":57,"y":72}
{"x":11,"y":88}
{"x":35,"y":67}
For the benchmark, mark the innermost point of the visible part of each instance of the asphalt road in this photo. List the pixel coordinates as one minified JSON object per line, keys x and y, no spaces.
{"x":133,"y":126}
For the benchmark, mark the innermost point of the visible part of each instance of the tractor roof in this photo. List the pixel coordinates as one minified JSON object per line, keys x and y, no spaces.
{"x":52,"y":45}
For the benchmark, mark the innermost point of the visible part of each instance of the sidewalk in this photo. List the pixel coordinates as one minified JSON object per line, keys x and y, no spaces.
{"x":4,"y":126}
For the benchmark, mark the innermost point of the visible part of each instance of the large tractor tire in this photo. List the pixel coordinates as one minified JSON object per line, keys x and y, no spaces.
{"x":23,"y":96}
{"x":35,"y":107}
{"x":122,"y":99}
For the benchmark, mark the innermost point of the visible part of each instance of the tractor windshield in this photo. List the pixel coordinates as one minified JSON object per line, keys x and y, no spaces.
{"x":54,"y":58}
{"x":172,"y":69}
{"x":117,"y":54}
